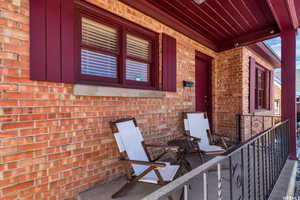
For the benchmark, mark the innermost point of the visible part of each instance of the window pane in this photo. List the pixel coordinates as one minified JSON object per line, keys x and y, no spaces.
{"x":97,"y":64}
{"x":139,"y":48}
{"x":136,"y":71}
{"x":99,"y":35}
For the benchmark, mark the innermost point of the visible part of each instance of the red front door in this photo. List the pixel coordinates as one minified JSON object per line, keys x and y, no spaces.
{"x":202,"y":85}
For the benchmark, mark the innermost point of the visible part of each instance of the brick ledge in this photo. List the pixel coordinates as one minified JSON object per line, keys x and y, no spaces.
{"x":103,"y":91}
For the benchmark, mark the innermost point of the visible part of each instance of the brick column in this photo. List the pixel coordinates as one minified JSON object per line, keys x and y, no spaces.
{"x":288,"y":92}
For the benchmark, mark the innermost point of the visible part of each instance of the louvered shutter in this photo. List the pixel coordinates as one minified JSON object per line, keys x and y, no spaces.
{"x":169,"y":63}
{"x":52,"y":39}
{"x":252,"y":80}
{"x":96,"y":40}
{"x":138,"y":59}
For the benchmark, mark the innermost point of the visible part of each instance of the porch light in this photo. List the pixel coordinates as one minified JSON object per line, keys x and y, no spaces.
{"x":199,"y":1}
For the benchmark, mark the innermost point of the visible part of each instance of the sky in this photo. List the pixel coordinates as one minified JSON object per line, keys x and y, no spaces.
{"x":275,"y":45}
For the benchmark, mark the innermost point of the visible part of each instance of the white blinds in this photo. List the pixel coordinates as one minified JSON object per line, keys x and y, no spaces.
{"x":99,"y":52}
{"x":98,"y":64}
{"x":99,"y":35}
{"x":136,"y":71}
{"x":103,"y":37}
{"x":141,"y":49}
{"x":137,"y":47}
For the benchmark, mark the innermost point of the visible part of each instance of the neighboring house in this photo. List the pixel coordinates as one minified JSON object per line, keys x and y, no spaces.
{"x":277,"y":96}
{"x":60,"y":91}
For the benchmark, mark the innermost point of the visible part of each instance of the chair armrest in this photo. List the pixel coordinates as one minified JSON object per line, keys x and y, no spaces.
{"x":222,"y":138}
{"x":170,"y":147}
{"x":138,"y":162}
{"x":192,"y":138}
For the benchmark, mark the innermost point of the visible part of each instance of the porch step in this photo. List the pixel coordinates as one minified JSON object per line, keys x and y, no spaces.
{"x":285,"y":185}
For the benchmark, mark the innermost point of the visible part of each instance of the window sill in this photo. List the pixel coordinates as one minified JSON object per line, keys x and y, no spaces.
{"x":103,"y":91}
{"x":263,"y":110}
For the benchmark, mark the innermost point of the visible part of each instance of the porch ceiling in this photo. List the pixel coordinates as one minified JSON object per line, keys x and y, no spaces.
{"x":222,"y":24}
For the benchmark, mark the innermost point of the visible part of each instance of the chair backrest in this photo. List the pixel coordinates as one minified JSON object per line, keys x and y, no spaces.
{"x":129,"y":139}
{"x":198,"y":126}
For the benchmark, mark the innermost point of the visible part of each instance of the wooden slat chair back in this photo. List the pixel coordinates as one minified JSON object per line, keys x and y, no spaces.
{"x":197,"y":125}
{"x":131,"y":142}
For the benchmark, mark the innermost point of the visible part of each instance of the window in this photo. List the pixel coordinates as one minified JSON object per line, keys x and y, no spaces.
{"x":117,"y":53}
{"x":262,"y":89}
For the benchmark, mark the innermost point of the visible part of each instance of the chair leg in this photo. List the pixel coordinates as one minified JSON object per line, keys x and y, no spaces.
{"x":181,"y":159}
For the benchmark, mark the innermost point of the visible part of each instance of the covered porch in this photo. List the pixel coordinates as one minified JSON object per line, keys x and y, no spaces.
{"x":69,"y":68}
{"x":216,"y":30}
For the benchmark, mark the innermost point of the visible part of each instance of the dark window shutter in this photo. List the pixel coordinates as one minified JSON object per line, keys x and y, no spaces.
{"x":169,"y":63}
{"x":252,"y":79}
{"x":52,"y":40}
{"x":68,"y":37}
{"x":38,"y":40}
{"x":53,"y":49}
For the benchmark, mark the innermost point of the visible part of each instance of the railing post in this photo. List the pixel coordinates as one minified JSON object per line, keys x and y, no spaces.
{"x":238,"y":127}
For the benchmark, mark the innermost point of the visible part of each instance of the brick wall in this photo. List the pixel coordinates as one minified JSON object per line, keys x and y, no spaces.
{"x":231,"y":92}
{"x":228,"y":90}
{"x":55,"y":144}
{"x":258,"y":124}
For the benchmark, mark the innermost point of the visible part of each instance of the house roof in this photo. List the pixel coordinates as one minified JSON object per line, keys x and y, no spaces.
{"x":225,"y":24}
{"x":267,"y":53}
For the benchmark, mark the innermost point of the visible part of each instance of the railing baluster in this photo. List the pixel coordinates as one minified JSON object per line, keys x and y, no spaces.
{"x":254,"y":170}
{"x":219,"y":182}
{"x":230,"y":177}
{"x":249,"y":170}
{"x":242,"y":173}
{"x":270,"y":161}
{"x":272,"y":157}
{"x":205,"y":186}
{"x":185,"y":192}
{"x":264,"y":166}
{"x":258,"y":166}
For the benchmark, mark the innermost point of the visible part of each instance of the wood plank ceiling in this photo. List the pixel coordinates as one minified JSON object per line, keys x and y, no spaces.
{"x":223,"y":20}
{"x":220,"y":24}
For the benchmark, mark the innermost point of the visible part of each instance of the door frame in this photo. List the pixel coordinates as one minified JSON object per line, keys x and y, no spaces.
{"x":208,"y":59}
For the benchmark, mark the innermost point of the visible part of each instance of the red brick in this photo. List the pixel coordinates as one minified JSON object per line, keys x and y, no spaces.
{"x":17,"y":187}
{"x":17,"y":125}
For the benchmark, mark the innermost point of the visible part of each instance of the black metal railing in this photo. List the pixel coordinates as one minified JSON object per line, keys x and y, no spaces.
{"x":246,"y":172}
{"x":249,"y":125}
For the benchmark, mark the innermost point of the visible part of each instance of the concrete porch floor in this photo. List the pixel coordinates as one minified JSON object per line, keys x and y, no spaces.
{"x":140,"y":190}
{"x":137,"y":192}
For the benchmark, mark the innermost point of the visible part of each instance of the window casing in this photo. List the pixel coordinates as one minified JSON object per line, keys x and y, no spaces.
{"x":115,"y":52}
{"x":262,"y":88}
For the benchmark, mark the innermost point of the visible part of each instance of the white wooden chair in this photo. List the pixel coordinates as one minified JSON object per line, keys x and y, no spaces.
{"x":134,"y":153}
{"x":197,"y":126}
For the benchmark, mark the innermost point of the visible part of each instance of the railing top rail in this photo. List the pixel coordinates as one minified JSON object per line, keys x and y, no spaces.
{"x":255,"y":115}
{"x":181,"y":181}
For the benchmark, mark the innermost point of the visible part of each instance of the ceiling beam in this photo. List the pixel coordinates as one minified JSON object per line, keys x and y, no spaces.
{"x":250,"y":38}
{"x":285,"y":13}
{"x":156,"y":13}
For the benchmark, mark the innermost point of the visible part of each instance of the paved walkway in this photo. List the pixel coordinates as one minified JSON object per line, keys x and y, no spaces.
{"x":297,"y":189}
